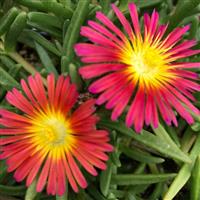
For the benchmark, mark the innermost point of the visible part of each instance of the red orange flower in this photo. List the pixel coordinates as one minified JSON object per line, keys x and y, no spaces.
{"x":139,"y":69}
{"x":49,"y":141}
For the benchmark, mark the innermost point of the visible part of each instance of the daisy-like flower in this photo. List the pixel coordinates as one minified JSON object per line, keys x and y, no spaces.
{"x":139,"y":68}
{"x":50,"y":141}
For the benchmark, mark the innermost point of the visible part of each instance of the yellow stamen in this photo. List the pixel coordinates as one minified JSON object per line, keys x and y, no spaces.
{"x":51,"y":132}
{"x":146,"y":62}
{"x":55,"y":131}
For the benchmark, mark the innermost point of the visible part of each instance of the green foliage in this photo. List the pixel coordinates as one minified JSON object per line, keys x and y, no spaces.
{"x":7,"y":20}
{"x":140,"y":179}
{"x":195,"y":180}
{"x":73,"y":29}
{"x":162,"y":163}
{"x":31,"y":191}
{"x":45,"y":59}
{"x":14,"y":31}
{"x":7,"y":81}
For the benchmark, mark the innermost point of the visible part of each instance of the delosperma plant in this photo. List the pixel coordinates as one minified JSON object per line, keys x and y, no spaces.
{"x":99,"y":100}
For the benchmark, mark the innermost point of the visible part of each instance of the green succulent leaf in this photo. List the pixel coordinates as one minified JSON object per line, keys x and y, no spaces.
{"x":14,"y":31}
{"x":7,"y":20}
{"x":7,"y":81}
{"x":148,"y":139}
{"x":140,"y":179}
{"x":73,"y":29}
{"x":45,"y":59}
{"x":195,"y":180}
{"x":184,"y":173}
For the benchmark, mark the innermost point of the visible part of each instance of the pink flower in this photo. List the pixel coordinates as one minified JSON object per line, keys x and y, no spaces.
{"x":49,"y":139}
{"x":139,"y":69}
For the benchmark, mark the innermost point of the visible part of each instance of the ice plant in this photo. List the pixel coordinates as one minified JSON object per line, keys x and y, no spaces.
{"x":49,"y":141}
{"x":139,"y":68}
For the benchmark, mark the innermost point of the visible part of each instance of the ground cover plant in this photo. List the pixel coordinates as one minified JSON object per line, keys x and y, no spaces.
{"x":99,"y":99}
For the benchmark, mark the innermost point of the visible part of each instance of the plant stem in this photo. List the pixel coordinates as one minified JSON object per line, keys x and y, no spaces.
{"x":19,"y":59}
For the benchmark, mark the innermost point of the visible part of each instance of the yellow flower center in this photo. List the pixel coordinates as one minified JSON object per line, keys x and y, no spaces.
{"x":55,"y":131}
{"x":146,"y":63}
{"x":51,"y":132}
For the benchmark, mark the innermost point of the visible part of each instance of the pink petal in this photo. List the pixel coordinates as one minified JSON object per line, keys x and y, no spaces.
{"x":83,"y":111}
{"x":105,"y":82}
{"x":183,"y":46}
{"x":41,"y":88}
{"x":64,"y":92}
{"x":139,"y":119}
{"x":51,"y":88}
{"x":12,"y":139}
{"x":29,"y":94}
{"x":69,"y":174}
{"x":85,"y":163}
{"x":36,"y":92}
{"x":109,"y":24}
{"x":14,"y":100}
{"x":153,"y":24}
{"x":122,"y":103}
{"x":96,"y":37}
{"x":187,"y":74}
{"x":91,"y":71}
{"x":85,"y":49}
{"x":25,"y":168}
{"x":137,"y":104}
{"x":52,"y":183}
{"x":97,"y":59}
{"x":178,"y":106}
{"x":155,"y":119}
{"x":134,"y":17}
{"x":16,"y":160}
{"x":160,"y":32}
{"x":148,"y":108}
{"x":61,"y":180}
{"x":125,"y":92}
{"x":12,"y":131}
{"x":174,"y":36}
{"x":33,"y":172}
{"x":92,"y":158}
{"x":187,"y":65}
{"x":147,"y":21}
{"x":183,"y":99}
{"x":105,"y":32}
{"x":43,"y":175}
{"x":58,"y":88}
{"x":11,"y":115}
{"x":76,"y":171}
{"x":70,"y":98}
{"x":123,"y":21}
{"x":163,"y":109}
